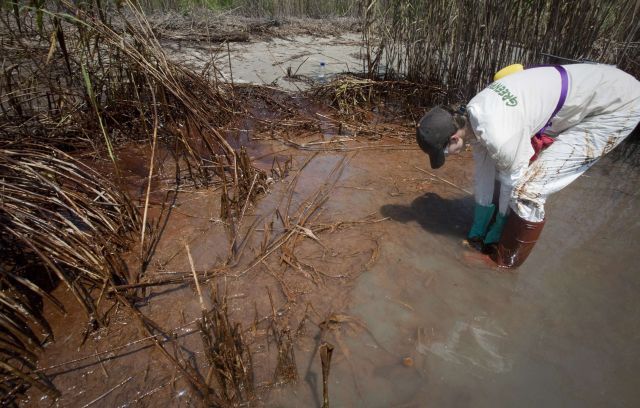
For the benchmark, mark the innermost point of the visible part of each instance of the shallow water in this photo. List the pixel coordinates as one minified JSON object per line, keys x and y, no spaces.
{"x":428,"y":323}
{"x":560,"y":331}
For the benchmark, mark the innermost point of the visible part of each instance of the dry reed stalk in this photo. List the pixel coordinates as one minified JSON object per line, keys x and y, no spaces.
{"x":326,"y":350}
{"x":109,"y":354}
{"x":151,"y":163}
{"x":103,"y":395}
{"x":116,"y":62}
{"x":464,"y":190}
{"x":195,"y":277}
{"x":372,"y":146}
{"x":154,"y":333}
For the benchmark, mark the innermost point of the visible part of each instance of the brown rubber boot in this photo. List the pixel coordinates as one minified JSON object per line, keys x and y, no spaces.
{"x":517,"y":241}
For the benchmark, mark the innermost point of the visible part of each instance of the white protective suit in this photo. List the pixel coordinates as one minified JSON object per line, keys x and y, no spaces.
{"x":602,"y":107}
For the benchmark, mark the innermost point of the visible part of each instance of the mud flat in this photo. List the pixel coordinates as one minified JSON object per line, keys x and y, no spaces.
{"x":291,"y":63}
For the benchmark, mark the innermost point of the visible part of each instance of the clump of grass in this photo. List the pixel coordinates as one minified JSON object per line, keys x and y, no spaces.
{"x":230,"y":375}
{"x":59,"y":221}
{"x":352,"y":95}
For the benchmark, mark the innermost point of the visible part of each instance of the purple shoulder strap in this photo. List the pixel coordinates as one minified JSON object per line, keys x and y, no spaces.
{"x":564,"y":89}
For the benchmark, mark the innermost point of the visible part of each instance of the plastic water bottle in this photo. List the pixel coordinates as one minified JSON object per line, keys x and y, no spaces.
{"x":321,"y":76}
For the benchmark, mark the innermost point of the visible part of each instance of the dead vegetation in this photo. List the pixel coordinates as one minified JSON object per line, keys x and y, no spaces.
{"x":353,"y":109}
{"x":208,"y":26}
{"x":352,"y":96}
{"x":59,"y":221}
{"x":75,"y":81}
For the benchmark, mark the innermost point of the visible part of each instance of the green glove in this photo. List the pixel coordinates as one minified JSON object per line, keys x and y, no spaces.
{"x":493,"y":236}
{"x":481,"y":218}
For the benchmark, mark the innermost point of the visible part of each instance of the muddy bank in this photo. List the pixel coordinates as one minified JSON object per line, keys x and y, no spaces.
{"x":290,"y":53}
{"x":291,"y":63}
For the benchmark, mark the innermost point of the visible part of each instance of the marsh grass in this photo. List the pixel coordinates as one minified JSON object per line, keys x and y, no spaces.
{"x":461,"y":44}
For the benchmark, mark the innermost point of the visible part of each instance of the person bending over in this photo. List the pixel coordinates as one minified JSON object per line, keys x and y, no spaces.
{"x":536,"y":131}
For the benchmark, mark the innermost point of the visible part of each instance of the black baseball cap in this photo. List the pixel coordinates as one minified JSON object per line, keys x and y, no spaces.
{"x":433,"y":133}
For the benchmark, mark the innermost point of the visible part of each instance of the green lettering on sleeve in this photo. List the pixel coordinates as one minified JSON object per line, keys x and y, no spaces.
{"x":507,"y":96}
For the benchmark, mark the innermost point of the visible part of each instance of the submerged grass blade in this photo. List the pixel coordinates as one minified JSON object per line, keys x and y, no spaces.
{"x":92,"y":99}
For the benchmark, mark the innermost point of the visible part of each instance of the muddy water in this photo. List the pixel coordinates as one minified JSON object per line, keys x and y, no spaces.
{"x":429,"y":322}
{"x":266,"y":62}
{"x":426,"y":322}
{"x":446,"y":330}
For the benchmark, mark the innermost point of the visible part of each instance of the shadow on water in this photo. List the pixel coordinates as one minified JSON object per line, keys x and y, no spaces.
{"x":435,"y":214}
